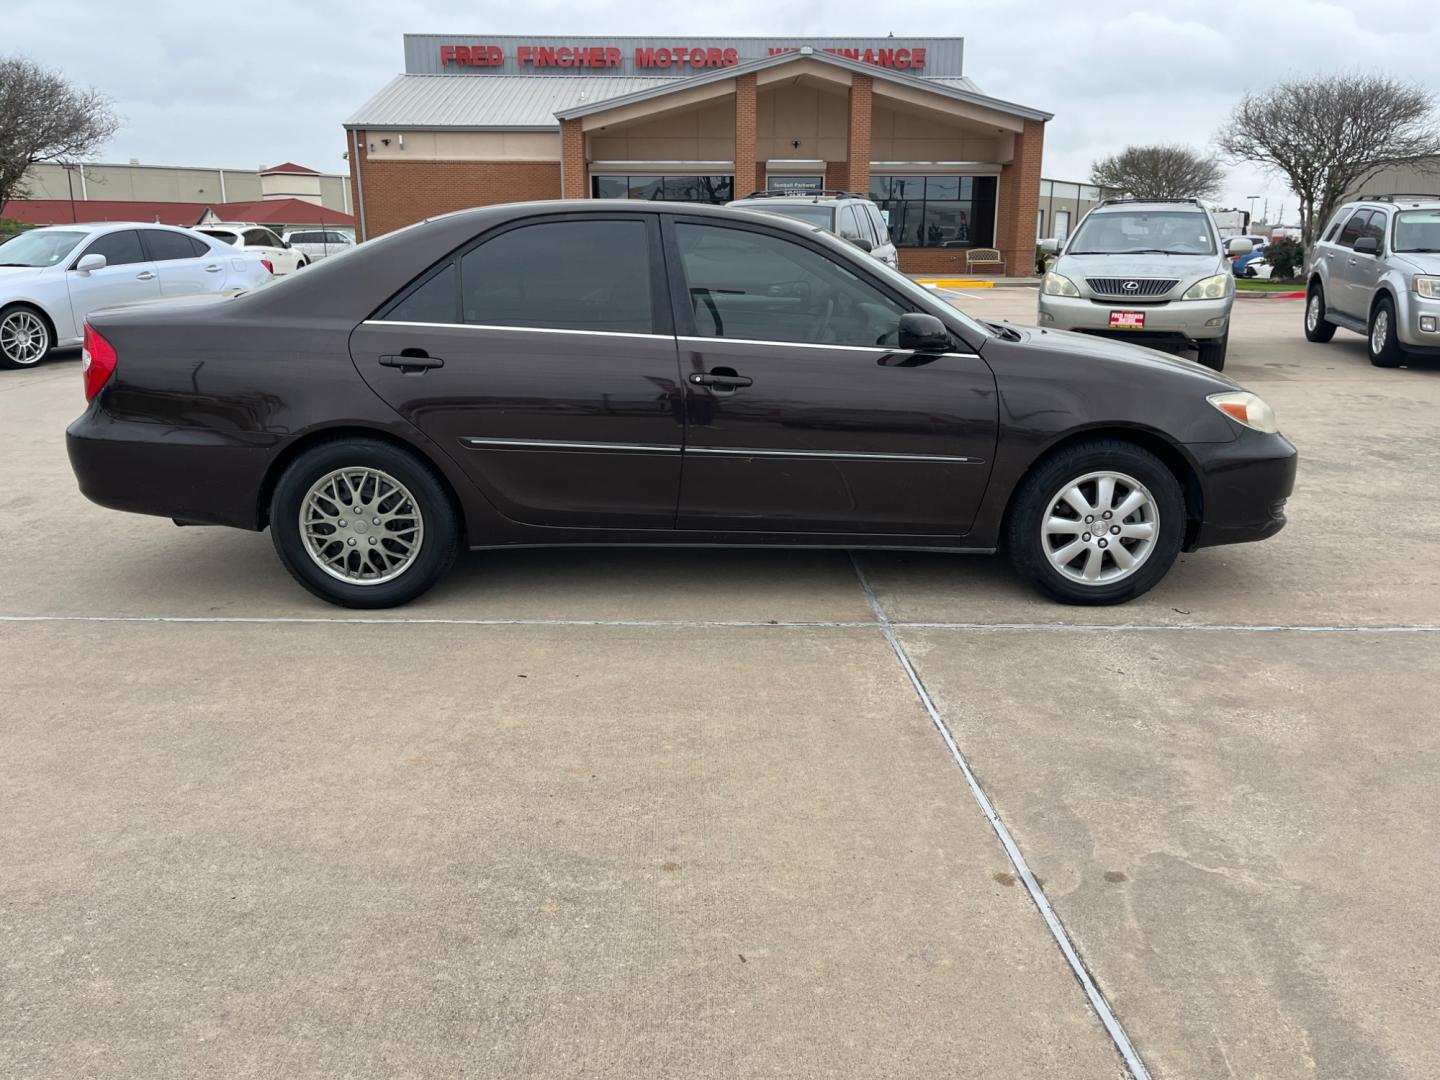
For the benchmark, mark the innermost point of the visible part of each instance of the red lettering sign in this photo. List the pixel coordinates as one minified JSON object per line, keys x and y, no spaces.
{"x":691,"y":56}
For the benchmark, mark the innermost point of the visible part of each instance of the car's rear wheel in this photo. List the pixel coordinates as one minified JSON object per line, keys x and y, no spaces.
{"x":25,"y":337}
{"x":1099,"y":523}
{"x":363,"y":524}
{"x":1385,"y":350}
{"x":1316,"y":328}
{"x":1212,"y":353}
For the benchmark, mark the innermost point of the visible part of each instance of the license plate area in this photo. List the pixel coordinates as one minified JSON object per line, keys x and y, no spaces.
{"x":1127,"y":320}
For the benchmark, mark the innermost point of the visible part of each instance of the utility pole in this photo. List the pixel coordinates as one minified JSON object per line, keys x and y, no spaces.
{"x":70,"y":183}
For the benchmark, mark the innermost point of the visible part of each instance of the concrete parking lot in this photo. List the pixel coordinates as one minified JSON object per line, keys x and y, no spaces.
{"x":643,"y":814}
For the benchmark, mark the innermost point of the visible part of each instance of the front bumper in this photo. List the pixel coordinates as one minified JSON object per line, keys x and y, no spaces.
{"x":1411,"y":330}
{"x":1192,"y":320}
{"x":1244,"y":485}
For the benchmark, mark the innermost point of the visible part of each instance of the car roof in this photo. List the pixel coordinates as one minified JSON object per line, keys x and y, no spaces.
{"x":1402,"y":201}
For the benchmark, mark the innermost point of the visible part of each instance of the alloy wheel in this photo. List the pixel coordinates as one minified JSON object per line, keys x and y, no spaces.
{"x":1100,"y":528}
{"x":24,"y":338}
{"x":1379,"y":331}
{"x":1312,"y":312}
{"x":361,"y":526}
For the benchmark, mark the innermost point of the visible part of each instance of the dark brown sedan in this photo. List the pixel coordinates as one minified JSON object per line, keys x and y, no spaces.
{"x":651,"y":373}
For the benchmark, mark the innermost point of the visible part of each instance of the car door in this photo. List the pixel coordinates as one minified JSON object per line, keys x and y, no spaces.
{"x":803,"y":417}
{"x":542,"y":358}
{"x":261,"y":242}
{"x":1365,"y":269}
{"x":285,"y":255}
{"x":1341,"y":261}
{"x":185,"y":265}
{"x":127,"y":276}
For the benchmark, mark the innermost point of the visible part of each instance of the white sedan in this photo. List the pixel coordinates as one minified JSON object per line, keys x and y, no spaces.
{"x":51,"y":278}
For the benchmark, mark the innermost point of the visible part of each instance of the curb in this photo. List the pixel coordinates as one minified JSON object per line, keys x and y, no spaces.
{"x":1300,"y":295}
{"x":970,"y":283}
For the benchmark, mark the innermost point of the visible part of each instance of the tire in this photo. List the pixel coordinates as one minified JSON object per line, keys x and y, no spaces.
{"x":1030,"y":537}
{"x":1381,"y":340}
{"x":404,"y":555}
{"x":1316,"y":328}
{"x":25,"y":336}
{"x":1212,"y":353}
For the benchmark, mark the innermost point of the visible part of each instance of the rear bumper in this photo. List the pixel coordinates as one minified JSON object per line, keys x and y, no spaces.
{"x":196,"y":475}
{"x":1244,"y":486}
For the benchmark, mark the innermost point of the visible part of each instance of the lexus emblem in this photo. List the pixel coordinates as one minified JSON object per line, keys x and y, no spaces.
{"x":1131,"y":286}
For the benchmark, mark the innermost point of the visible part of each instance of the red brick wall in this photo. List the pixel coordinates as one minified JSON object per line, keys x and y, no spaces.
{"x":1019,"y":201}
{"x":576,"y":171}
{"x":857,"y":175}
{"x":948,"y":261}
{"x":400,"y":193}
{"x":748,"y":171}
{"x":837,"y":175}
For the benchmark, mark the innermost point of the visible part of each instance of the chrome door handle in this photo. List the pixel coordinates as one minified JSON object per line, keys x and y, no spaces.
{"x":213,"y":269}
{"x":720,"y":380}
{"x":412,"y":362}
{"x":145,"y":276}
{"x":1352,"y":262}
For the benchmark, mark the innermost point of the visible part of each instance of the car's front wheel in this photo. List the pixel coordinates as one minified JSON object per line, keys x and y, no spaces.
{"x":1212,"y":353}
{"x":1099,"y":523}
{"x":363,"y":524}
{"x":1385,"y":349}
{"x":24,"y":337}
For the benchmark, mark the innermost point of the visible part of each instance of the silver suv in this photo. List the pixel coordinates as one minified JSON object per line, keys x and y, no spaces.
{"x":1376,"y":271}
{"x":1153,"y":271}
{"x":849,"y":216}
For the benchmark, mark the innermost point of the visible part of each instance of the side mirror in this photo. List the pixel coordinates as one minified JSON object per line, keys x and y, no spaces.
{"x":863,"y":244}
{"x":1050,"y":247}
{"x":1367,"y":245}
{"x":90,"y":262}
{"x":1238,"y":245}
{"x":923,"y":333}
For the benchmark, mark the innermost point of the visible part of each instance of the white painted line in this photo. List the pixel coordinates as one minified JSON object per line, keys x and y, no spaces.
{"x":850,"y":624}
{"x":360,"y":621}
{"x":1017,"y":859}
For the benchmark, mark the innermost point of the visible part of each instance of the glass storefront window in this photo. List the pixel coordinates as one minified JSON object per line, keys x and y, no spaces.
{"x":937,"y":211}
{"x":716,"y":190}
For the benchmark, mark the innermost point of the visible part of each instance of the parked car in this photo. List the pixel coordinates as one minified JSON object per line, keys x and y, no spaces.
{"x":1145,"y":270}
{"x":849,"y":216}
{"x":651,"y":373}
{"x":316,"y":244}
{"x":51,"y":278}
{"x":275,"y":253}
{"x":1376,"y":271}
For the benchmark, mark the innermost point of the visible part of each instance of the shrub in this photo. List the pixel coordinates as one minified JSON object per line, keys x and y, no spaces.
{"x":1285,"y":255}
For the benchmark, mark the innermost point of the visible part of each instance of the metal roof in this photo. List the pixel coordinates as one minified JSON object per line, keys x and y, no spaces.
{"x":504,"y":102}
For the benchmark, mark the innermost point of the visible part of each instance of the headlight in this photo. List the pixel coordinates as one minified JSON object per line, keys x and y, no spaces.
{"x":1246,"y":408}
{"x":1210,"y":288}
{"x":1058,"y":285}
{"x":1428,"y":287}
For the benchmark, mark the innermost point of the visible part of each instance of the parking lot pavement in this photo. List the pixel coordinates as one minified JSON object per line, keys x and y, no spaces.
{"x":522,"y":851}
{"x":1239,"y":830}
{"x":541,"y":848}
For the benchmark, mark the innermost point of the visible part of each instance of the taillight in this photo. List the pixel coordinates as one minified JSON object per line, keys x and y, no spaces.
{"x":268,"y":265}
{"x":97,"y":361}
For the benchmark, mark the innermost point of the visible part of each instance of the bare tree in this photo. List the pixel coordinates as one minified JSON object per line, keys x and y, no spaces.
{"x":1329,"y":134}
{"x":1158,"y":172}
{"x":44,"y":117}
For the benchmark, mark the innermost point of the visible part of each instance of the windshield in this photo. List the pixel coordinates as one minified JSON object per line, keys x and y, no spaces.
{"x":221,"y":234}
{"x":810,"y":213}
{"x":1136,"y":232}
{"x":39,"y":248}
{"x":1415,"y":230}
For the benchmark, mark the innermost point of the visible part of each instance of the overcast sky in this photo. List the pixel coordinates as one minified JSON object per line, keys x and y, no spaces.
{"x":245,"y":86}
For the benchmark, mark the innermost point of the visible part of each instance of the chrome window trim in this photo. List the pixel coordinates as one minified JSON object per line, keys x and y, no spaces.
{"x":521,"y":329}
{"x":880,"y":350}
{"x":482,"y":442}
{"x":860,"y":455}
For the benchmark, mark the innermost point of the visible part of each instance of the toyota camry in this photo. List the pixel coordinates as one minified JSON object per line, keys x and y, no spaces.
{"x":597,"y":372}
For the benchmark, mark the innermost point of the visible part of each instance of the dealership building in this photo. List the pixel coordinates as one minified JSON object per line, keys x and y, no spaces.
{"x":480,"y":120}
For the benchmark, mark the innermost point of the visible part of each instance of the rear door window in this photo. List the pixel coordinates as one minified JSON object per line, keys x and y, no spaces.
{"x":169,"y":246}
{"x":563,"y":275}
